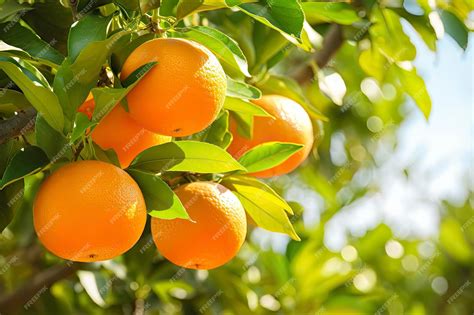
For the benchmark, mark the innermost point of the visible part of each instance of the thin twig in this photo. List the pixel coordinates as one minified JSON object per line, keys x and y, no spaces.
{"x":18,"y":125}
{"x":331,"y":44}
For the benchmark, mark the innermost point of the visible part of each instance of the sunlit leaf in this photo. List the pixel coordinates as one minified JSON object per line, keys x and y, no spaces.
{"x":161,"y":201}
{"x":263,"y":206}
{"x":267,"y":155}
{"x":186,"y":156}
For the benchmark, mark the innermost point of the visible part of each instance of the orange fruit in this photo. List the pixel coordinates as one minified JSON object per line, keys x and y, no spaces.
{"x":118,"y":131}
{"x":182,"y":94}
{"x":290,"y":123}
{"x":89,"y":211}
{"x":215,"y":234}
{"x":88,"y":106}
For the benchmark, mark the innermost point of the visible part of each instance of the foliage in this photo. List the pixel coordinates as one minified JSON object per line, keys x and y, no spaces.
{"x":53,"y":54}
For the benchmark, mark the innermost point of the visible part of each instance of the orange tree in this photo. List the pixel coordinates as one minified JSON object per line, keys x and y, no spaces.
{"x":114,"y":80}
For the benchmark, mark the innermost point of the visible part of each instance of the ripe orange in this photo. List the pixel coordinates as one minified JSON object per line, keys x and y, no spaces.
{"x":89,"y":211}
{"x":182,"y":94}
{"x":291,"y":123}
{"x":215,"y":236}
{"x":88,"y":106}
{"x":118,"y":131}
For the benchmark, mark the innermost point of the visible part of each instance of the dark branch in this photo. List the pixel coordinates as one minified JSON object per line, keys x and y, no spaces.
{"x":18,"y":125}
{"x":331,"y":43}
{"x":31,"y":291}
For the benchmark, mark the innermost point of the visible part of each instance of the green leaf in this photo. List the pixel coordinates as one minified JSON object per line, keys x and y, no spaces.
{"x":455,"y":28}
{"x":186,"y":7}
{"x":453,"y":240}
{"x":25,"y":162}
{"x":336,"y":12}
{"x":242,"y":90}
{"x":168,"y":7}
{"x":105,"y":100}
{"x":12,"y":101}
{"x":414,"y":86}
{"x":138,"y":74}
{"x":81,"y":124}
{"x":10,"y":9}
{"x":161,"y":201}
{"x":22,"y":205}
{"x":186,"y":156}
{"x":266,"y":209}
{"x":422,"y":25}
{"x":244,"y":124}
{"x":109,"y":155}
{"x":268,"y":155}
{"x":36,"y":74}
{"x":225,"y":48}
{"x":53,"y":143}
{"x":218,"y":132}
{"x":254,"y":182}
{"x":74,"y":81}
{"x":10,"y":199}
{"x":91,"y":28}
{"x":41,"y":98}
{"x":19,"y":36}
{"x":244,"y":107}
{"x":121,"y":53}
{"x":283,"y":15}
{"x":268,"y":43}
{"x":387,"y":35}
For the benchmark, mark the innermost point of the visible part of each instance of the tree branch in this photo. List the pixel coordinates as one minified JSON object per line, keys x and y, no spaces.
{"x":331,"y":44}
{"x":31,"y":291}
{"x":17,"y":125}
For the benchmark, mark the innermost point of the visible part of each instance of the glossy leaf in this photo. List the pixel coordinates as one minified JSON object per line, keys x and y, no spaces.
{"x":90,"y":28}
{"x":186,"y":156}
{"x":282,"y":15}
{"x":75,"y":79}
{"x":41,"y":98}
{"x":161,"y":201}
{"x":242,"y":90}
{"x":52,"y":142}
{"x":19,"y":36}
{"x":24,"y":163}
{"x":267,"y":155}
{"x":224,"y":47}
{"x":266,"y":209}
{"x":244,"y":107}
{"x":218,"y":132}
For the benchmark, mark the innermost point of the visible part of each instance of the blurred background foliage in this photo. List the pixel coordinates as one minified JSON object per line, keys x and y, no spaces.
{"x":357,"y":97}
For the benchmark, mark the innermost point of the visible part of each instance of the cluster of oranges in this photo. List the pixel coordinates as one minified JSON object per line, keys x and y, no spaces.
{"x":92,"y":210}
